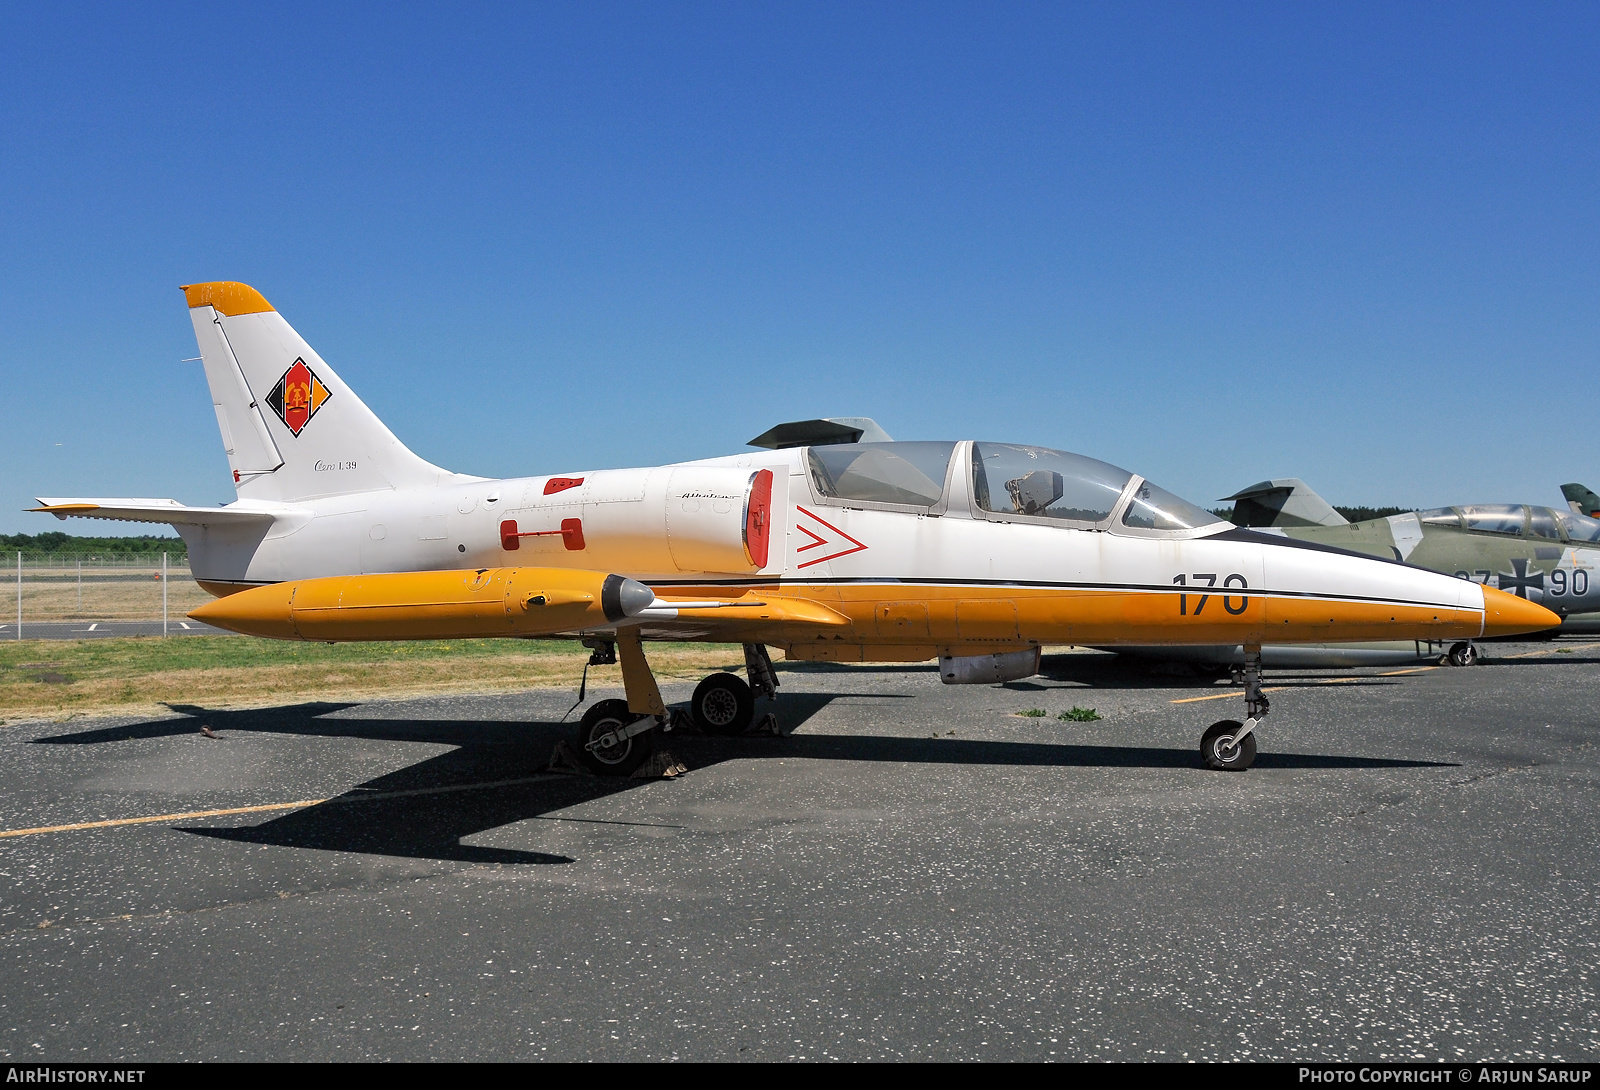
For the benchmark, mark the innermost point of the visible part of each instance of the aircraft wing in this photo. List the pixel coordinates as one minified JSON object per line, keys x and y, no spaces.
{"x":750,"y":618}
{"x":170,"y":512}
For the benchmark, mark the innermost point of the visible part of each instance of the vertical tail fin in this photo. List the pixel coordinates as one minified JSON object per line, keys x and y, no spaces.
{"x":1581,"y":499}
{"x":292,"y":428}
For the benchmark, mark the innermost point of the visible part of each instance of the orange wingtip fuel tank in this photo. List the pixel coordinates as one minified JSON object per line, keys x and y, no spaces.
{"x":1507,"y":615}
{"x":431,"y":605}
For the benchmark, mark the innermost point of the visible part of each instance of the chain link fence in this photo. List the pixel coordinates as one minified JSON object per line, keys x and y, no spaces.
{"x":52,"y":589}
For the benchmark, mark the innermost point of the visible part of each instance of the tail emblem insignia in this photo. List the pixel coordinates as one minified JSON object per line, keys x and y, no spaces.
{"x":297,"y":397}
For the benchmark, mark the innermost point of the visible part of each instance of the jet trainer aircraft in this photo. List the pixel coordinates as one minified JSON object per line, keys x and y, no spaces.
{"x":974,"y":553}
{"x":1537,"y":553}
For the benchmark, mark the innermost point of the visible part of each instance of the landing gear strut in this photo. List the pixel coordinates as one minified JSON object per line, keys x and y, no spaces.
{"x":617,"y":736}
{"x":1230,"y":746}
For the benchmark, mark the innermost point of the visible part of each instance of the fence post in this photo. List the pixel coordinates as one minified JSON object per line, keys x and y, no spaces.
{"x":19,"y":594}
{"x":163,"y":595}
{"x":80,"y":584}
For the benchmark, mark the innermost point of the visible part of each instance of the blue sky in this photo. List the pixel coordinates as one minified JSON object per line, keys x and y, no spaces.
{"x":1212,"y":243}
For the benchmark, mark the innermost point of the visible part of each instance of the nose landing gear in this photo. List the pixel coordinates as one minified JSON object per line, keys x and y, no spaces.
{"x":1229,"y":745}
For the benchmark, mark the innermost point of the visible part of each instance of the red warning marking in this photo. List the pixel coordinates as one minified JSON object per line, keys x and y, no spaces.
{"x":819,"y":541}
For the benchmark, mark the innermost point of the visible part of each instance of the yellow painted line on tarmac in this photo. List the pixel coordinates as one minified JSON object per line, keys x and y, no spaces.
{"x":1324,"y":681}
{"x":1553,"y":651}
{"x":1224,"y":696}
{"x":159,"y":817}
{"x":376,"y":796}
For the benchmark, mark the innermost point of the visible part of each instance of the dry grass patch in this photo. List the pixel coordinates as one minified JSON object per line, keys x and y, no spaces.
{"x":41,"y":678}
{"x":106,"y":594}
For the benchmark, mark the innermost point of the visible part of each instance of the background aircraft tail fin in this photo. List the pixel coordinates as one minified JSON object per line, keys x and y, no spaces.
{"x":1287,"y":501}
{"x":292,"y":429}
{"x":1582,"y":499}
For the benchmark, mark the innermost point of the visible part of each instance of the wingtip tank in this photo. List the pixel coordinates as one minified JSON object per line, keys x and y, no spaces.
{"x":1508,"y":615}
{"x":430,"y":605}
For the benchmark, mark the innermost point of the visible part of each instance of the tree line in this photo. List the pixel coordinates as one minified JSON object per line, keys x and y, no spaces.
{"x":56,"y":543}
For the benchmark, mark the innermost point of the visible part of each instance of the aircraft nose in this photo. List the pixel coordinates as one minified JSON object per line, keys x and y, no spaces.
{"x":1507,"y":615}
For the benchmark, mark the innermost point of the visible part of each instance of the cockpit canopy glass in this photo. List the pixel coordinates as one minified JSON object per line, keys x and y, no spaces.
{"x":1154,"y":508}
{"x":1579,"y":527}
{"x":1542,"y":523}
{"x":1440,"y":516}
{"x":1494,"y":518}
{"x":1045,"y":483}
{"x":901,"y":473}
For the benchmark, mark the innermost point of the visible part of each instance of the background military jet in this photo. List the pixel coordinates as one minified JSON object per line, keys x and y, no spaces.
{"x":1582,"y":500}
{"x":1541,"y":554}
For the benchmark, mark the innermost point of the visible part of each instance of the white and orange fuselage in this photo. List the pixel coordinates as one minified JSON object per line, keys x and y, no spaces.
{"x":837,"y":581}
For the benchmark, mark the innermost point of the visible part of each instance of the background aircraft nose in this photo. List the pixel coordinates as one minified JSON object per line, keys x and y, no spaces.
{"x":1506,"y":614}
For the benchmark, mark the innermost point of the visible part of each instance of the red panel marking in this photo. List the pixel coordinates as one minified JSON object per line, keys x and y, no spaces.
{"x":758,"y":519}
{"x":571,"y":534}
{"x":821,"y":540}
{"x":561,"y":484}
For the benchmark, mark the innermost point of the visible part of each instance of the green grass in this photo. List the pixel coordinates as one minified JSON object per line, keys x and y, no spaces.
{"x":1076,"y":714}
{"x":1032,"y":713}
{"x":75,"y":676}
{"x":142,"y":654}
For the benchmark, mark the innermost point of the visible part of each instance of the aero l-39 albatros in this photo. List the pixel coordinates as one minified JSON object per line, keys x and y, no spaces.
{"x":973,"y":553}
{"x":1538,"y":553}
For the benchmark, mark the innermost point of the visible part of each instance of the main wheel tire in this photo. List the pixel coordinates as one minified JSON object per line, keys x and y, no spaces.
{"x":1217,"y":755}
{"x":723,"y":704}
{"x":614,"y":760}
{"x":1463,"y":654}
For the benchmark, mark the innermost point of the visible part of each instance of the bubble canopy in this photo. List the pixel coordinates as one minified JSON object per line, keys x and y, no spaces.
{"x":1007,"y":480}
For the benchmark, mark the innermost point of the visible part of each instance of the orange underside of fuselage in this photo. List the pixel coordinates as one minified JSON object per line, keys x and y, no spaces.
{"x":908,"y":622}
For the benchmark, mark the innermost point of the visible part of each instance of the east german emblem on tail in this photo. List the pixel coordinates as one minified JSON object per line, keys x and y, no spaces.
{"x":297,"y":396}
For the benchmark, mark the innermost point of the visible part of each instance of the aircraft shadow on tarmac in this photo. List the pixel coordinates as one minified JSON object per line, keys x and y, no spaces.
{"x":494,"y":775}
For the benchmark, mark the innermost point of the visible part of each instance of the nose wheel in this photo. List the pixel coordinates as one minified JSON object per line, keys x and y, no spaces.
{"x":1229,"y":745}
{"x":1221,"y":753}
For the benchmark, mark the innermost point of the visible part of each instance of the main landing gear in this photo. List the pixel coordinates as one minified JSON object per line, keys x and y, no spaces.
{"x":615,"y":737}
{"x":1460,"y":654}
{"x":1230,"y":746}
{"x":725,"y":704}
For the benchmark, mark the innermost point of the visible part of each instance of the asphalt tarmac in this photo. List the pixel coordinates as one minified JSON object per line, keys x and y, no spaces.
{"x":99,"y":630}
{"x":1409,"y":872}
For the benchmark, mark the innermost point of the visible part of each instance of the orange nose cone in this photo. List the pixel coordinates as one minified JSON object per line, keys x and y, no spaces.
{"x":1506,"y":614}
{"x":260,"y":611}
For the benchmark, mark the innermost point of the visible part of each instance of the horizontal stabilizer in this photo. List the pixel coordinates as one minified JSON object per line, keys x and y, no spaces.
{"x":170,"y":512}
{"x":1288,"y":501}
